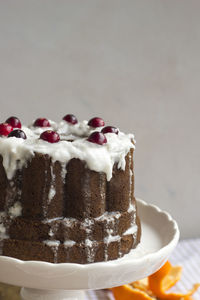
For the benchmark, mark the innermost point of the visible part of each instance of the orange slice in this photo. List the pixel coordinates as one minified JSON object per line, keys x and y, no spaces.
{"x":164,"y":279}
{"x":141,"y":285}
{"x":127,"y":292}
{"x":155,"y":286}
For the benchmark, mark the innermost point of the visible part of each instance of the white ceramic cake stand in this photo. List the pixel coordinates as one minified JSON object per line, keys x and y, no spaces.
{"x":46,"y":281}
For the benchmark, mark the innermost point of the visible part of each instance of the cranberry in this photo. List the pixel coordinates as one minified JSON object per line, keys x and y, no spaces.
{"x":97,"y":138}
{"x":5,"y":129}
{"x":96,"y":122}
{"x":50,"y":136}
{"x":70,"y":119}
{"x":41,"y":122}
{"x":18,"y":133}
{"x":110,"y":129}
{"x":14,"y":122}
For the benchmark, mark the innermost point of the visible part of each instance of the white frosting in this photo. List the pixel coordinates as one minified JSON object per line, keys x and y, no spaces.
{"x":88,"y":222}
{"x":46,"y":221}
{"x":131,"y":208}
{"x":51,"y":233}
{"x":110,"y":216}
{"x":88,"y":243}
{"x":90,"y":249}
{"x":111,"y":238}
{"x":15,"y":153}
{"x":100,"y":158}
{"x":69,"y":222}
{"x":109,"y":231}
{"x":2,"y":229}
{"x":54,"y":246}
{"x":52,"y":190}
{"x":69,"y":243}
{"x":52,"y":193}
{"x":79,"y":129}
{"x":131,"y":230}
{"x":52,"y":243}
{"x":15,"y":210}
{"x":130,"y":179}
{"x":63,"y":171}
{"x":3,"y":234}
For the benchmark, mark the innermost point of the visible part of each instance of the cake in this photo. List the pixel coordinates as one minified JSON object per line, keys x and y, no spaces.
{"x":67,"y":191}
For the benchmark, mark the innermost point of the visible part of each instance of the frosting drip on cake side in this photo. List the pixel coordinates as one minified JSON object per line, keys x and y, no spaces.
{"x":17,"y":152}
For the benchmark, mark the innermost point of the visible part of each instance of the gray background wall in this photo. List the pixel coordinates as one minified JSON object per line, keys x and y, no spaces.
{"x":135,"y":63}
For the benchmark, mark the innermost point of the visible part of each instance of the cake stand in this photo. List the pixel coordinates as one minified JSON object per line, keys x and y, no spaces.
{"x":67,"y":281}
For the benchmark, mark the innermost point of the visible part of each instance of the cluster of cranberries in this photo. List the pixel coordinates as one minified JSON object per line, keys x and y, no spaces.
{"x":12,"y":128}
{"x":48,"y":135}
{"x":99,"y":137}
{"x":96,"y":136}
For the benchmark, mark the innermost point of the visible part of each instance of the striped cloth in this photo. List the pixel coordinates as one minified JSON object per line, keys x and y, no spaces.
{"x":186,"y":254}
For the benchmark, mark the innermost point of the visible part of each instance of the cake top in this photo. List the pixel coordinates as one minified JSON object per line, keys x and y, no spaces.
{"x":91,"y":141}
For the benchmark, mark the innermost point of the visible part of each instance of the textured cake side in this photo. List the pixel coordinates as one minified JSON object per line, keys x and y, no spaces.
{"x":83,"y":226}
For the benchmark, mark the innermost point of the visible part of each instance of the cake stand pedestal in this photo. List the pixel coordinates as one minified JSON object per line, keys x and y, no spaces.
{"x":46,"y":281}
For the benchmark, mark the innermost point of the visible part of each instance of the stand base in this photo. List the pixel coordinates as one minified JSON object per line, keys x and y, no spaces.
{"x":33,"y":294}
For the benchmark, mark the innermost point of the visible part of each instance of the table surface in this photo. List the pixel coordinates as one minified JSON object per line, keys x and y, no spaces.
{"x":186,"y":254}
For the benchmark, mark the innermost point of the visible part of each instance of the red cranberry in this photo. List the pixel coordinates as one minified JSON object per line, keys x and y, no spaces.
{"x":70,"y":119}
{"x":18,"y":133}
{"x":5,"y":129}
{"x":50,"y":136}
{"x":96,"y":122}
{"x":109,"y":129}
{"x":14,"y":122}
{"x":97,"y":138}
{"x":41,"y":122}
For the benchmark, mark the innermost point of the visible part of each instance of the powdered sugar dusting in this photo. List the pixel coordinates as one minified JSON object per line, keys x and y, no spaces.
{"x":52,"y":190}
{"x":54,"y":245}
{"x":15,"y":210}
{"x":69,"y":243}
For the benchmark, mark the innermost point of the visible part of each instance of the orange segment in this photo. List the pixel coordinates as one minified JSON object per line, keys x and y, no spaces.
{"x":142,"y":285}
{"x":164,"y":279}
{"x":155,"y":286}
{"x":173,"y":276}
{"x":126,"y":292}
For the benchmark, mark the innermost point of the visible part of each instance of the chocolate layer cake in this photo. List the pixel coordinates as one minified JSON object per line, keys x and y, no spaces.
{"x":66,"y":191}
